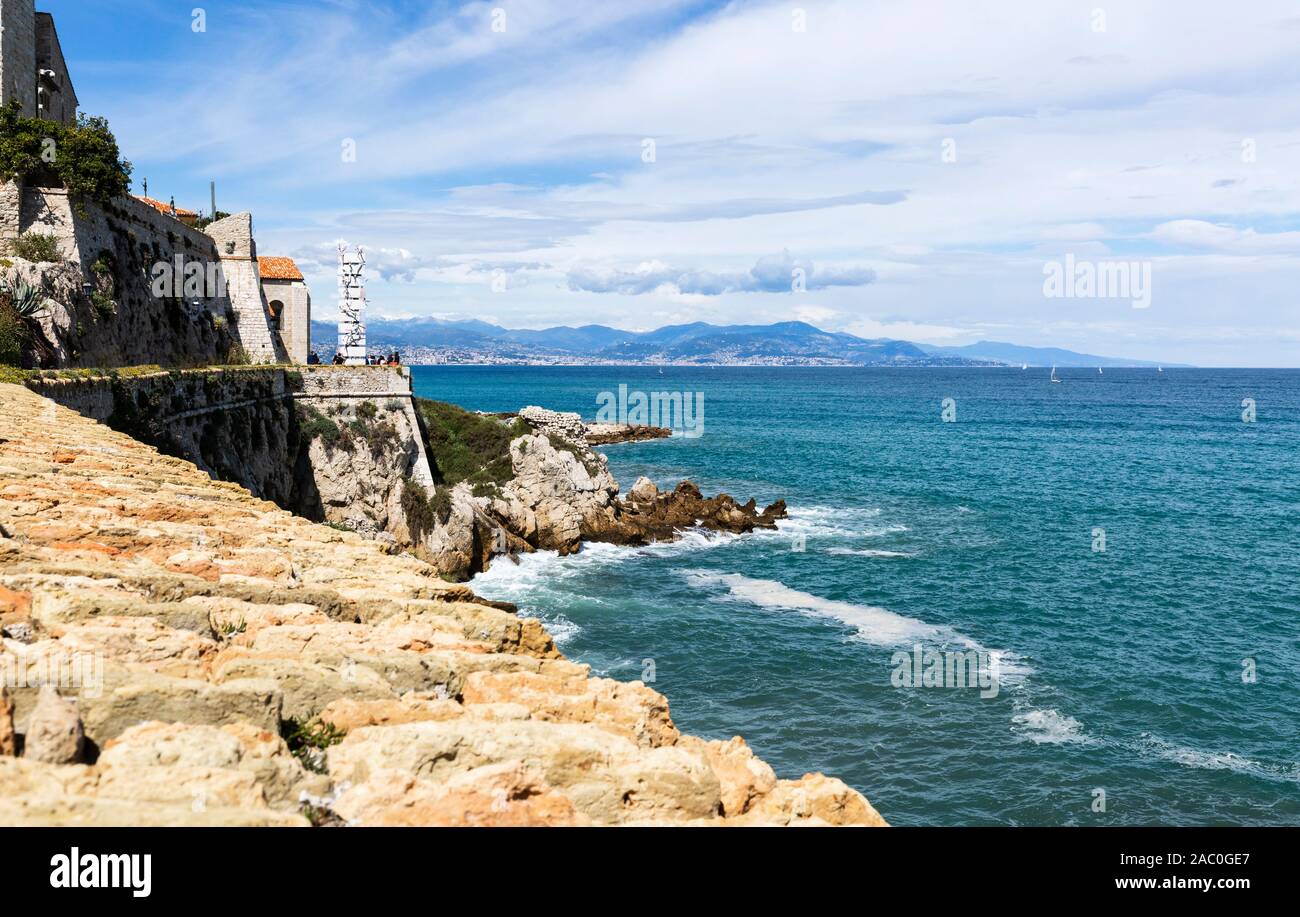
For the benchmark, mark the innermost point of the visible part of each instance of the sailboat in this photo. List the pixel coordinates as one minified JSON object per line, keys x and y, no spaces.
{"x":1054,"y":379}
{"x":1024,"y":365}
{"x":1160,"y":369}
{"x":1099,"y":370}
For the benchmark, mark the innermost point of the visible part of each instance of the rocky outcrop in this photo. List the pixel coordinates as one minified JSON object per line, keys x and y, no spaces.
{"x":561,"y":494}
{"x":648,"y":515}
{"x":571,"y":427}
{"x":8,"y":738}
{"x":606,"y":434}
{"x":233,"y":664}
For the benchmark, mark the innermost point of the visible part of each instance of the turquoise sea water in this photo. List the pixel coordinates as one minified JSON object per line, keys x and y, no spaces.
{"x":1121,"y":670}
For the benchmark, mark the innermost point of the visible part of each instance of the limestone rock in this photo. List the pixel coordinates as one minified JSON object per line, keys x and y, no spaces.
{"x":628,"y":709}
{"x":54,"y":731}
{"x":8,"y":739}
{"x":607,"y":777}
{"x":262,"y":756}
{"x":348,"y":714}
{"x":511,"y":794}
{"x":603,"y":434}
{"x":141,"y":696}
{"x":814,"y":799}
{"x":643,"y":491}
{"x":743,"y":777}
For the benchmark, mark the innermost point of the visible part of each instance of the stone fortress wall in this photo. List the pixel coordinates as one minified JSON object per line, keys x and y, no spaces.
{"x":18,"y":53}
{"x":55,"y":97}
{"x":240,"y":425}
{"x":110,"y":253}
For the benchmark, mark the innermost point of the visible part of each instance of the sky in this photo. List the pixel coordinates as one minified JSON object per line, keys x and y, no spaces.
{"x":913,"y":169}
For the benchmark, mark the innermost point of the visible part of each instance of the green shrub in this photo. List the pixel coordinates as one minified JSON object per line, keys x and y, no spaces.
{"x":85,"y":157}
{"x":104,"y":305}
{"x":37,"y":246}
{"x":15,"y":334}
{"x":312,"y":424}
{"x":424,"y":511}
{"x":382,"y":438}
{"x":309,"y":739}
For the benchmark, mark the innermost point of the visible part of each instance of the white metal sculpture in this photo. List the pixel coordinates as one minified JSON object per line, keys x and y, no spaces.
{"x":352,"y":305}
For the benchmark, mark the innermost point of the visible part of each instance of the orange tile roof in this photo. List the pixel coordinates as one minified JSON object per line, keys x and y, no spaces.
{"x":278,"y":269}
{"x":166,"y":208}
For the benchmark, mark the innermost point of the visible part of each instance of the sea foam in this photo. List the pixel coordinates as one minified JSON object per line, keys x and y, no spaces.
{"x":875,"y":625}
{"x":1048,"y":727}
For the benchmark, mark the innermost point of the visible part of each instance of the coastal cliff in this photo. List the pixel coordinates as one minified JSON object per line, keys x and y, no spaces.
{"x":177,"y":651}
{"x":538,"y":486}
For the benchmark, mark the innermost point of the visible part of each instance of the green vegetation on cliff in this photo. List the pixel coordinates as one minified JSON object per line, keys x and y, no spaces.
{"x":425,"y":510}
{"x":464,"y":446}
{"x":380,"y":435}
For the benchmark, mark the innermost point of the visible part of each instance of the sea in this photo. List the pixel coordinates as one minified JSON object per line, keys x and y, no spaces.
{"x":996,"y":600}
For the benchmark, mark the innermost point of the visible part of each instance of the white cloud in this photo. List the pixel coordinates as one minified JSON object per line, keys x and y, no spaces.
{"x":776,"y":274}
{"x":1220,"y":237}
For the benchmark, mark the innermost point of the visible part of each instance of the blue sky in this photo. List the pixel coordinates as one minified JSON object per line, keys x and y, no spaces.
{"x":917,"y":163}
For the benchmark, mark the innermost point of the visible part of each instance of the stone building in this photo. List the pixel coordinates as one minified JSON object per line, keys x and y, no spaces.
{"x":289,"y":302}
{"x":32,"y":68}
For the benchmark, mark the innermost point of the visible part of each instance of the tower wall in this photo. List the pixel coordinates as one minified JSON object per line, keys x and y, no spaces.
{"x":18,"y":54}
{"x":54,"y":93}
{"x":238,"y":253}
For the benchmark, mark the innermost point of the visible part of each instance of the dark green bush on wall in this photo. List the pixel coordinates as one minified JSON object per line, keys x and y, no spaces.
{"x":84,"y":158}
{"x":15,"y":335}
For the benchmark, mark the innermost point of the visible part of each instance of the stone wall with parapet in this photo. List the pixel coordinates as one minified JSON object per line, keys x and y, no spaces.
{"x":240,"y":424}
{"x":388,"y":387}
{"x":102,"y":308}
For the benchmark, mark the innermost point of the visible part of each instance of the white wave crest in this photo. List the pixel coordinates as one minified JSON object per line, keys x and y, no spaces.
{"x":868,"y":552}
{"x":878,"y":626}
{"x":1219,"y":761}
{"x":1048,"y":727}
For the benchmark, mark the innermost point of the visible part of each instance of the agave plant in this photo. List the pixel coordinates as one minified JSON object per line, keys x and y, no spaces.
{"x":27,"y":300}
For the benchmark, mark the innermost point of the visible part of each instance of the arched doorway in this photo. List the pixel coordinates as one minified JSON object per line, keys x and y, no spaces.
{"x":277,"y":313}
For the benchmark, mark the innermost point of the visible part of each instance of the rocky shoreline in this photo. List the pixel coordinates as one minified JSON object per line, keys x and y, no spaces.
{"x":176,"y":651}
{"x":608,"y":434}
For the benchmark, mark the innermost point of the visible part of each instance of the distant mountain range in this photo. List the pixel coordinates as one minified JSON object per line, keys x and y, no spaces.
{"x":431,"y":340}
{"x":1014,"y":354}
